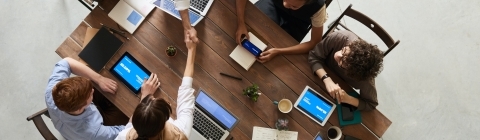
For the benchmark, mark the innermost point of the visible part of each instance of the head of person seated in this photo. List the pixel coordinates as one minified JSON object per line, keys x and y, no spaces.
{"x":150,"y":116}
{"x":296,"y":4}
{"x":360,"y":60}
{"x":73,"y":95}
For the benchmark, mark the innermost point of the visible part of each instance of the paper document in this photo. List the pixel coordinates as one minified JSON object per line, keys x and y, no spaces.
{"x":243,"y":57}
{"x":262,"y":133}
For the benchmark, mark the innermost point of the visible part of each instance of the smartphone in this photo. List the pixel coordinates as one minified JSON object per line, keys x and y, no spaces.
{"x":347,"y":112}
{"x":250,"y":47}
{"x":318,"y":136}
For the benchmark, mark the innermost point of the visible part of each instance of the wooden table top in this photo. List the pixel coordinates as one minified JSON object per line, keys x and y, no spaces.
{"x":283,"y":77}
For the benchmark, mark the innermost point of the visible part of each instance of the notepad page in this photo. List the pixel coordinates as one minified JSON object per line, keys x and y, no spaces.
{"x":263,"y":133}
{"x":243,"y":57}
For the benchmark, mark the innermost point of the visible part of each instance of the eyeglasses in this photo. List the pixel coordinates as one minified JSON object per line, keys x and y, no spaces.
{"x":342,"y":59}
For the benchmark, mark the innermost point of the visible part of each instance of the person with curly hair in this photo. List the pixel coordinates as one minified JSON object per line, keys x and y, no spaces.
{"x":354,"y":60}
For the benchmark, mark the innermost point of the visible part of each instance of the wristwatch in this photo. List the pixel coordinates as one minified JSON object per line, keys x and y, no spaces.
{"x":324,"y":77}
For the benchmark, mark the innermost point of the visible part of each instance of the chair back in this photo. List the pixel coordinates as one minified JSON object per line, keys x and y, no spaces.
{"x":40,"y":124}
{"x":368,"y":22}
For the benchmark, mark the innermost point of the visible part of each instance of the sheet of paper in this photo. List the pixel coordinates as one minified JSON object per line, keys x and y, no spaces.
{"x":262,"y":133}
{"x":89,"y":35}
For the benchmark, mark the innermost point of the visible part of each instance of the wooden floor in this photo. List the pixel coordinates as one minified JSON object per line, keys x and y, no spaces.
{"x":282,"y":77}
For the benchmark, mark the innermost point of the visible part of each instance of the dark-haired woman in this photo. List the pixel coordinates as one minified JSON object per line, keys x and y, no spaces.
{"x":151,"y":119}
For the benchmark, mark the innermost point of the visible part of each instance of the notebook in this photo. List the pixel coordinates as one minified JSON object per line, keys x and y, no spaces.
{"x":198,"y":9}
{"x":315,"y":106}
{"x":130,"y":13}
{"x":210,"y":119}
{"x":357,"y":117}
{"x":100,"y":49}
{"x":243,"y":57}
{"x":262,"y":133}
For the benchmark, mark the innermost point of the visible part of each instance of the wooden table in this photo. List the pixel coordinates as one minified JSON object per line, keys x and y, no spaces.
{"x":282,"y":77}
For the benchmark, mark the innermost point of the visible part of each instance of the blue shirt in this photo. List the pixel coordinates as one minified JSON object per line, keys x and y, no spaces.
{"x":86,"y":126}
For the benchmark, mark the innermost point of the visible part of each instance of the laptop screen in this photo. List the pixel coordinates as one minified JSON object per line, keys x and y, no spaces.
{"x":215,"y":110}
{"x":314,"y":105}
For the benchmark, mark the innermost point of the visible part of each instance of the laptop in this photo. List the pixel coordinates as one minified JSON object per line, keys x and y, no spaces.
{"x":100,"y":49}
{"x":210,"y":119}
{"x":198,"y":9}
{"x":315,"y":106}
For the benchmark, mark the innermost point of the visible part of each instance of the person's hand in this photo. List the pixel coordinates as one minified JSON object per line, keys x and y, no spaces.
{"x":191,"y":45}
{"x":241,"y":30}
{"x":332,"y":88}
{"x":190,"y":35}
{"x":267,"y":55}
{"x":341,"y":96}
{"x":107,"y":85}
{"x":150,"y":85}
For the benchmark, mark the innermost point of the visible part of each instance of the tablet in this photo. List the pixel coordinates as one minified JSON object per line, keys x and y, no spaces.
{"x":315,"y":106}
{"x":130,"y":72}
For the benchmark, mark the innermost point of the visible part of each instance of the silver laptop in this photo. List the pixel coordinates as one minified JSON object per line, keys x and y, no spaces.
{"x":211,"y":121}
{"x":198,"y":9}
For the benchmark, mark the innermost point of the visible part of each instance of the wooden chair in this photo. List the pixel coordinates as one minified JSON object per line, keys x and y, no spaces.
{"x":40,"y":124}
{"x":365,"y":20}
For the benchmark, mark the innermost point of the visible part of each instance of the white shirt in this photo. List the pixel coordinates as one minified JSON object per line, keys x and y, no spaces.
{"x":185,"y":104}
{"x":182,"y":4}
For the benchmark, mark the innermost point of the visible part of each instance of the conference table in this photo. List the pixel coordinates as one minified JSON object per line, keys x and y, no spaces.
{"x":285,"y":76}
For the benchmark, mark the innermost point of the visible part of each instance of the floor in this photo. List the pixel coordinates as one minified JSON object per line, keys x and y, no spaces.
{"x":427,"y":87}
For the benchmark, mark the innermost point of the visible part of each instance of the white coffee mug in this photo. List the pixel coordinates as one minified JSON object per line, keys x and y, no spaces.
{"x":285,"y":105}
{"x":334,"y":133}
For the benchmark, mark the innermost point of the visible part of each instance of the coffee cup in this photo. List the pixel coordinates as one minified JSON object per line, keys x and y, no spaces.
{"x":284,"y":105}
{"x":334,"y":133}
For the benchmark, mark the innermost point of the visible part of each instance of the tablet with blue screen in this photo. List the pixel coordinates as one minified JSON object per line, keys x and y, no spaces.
{"x":130,"y":72}
{"x":315,"y":106}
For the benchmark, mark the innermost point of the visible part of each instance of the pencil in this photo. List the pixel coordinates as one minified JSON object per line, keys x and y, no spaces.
{"x":234,"y":77}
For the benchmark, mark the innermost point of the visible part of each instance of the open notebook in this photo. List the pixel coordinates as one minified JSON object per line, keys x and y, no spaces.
{"x":243,"y":57}
{"x":130,"y":13}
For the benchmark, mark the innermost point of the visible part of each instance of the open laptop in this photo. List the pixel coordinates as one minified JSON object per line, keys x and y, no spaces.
{"x":210,"y":119}
{"x":198,"y":9}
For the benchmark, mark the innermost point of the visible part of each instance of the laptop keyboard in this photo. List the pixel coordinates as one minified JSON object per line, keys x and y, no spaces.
{"x":199,"y":4}
{"x":206,"y":127}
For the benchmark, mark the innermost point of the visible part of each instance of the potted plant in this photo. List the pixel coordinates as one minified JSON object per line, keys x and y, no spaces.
{"x":282,"y":124}
{"x":171,"y":51}
{"x":252,"y":92}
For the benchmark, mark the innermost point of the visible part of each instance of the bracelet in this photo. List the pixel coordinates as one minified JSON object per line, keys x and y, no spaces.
{"x":324,"y":77}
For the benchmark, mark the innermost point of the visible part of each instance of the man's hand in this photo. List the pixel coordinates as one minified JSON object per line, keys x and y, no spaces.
{"x":190,"y":35}
{"x":150,"y":85}
{"x":107,"y":85}
{"x":241,"y":30}
{"x":267,"y":55}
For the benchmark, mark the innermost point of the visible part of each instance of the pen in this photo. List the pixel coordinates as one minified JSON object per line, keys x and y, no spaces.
{"x":115,"y":31}
{"x":234,"y":77}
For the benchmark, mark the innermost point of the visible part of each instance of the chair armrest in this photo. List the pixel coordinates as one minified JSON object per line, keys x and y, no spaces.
{"x":39,"y":113}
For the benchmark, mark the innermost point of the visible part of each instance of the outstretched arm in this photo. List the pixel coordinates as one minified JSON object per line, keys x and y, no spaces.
{"x":189,"y":68}
{"x":189,"y":32}
{"x":241,"y":27}
{"x":106,"y":84}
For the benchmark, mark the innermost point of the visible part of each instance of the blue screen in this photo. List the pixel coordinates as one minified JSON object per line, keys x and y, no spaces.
{"x":130,"y":71}
{"x":134,"y":17}
{"x":216,"y":110}
{"x":315,"y":106}
{"x":318,"y":137}
{"x":251,"y":48}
